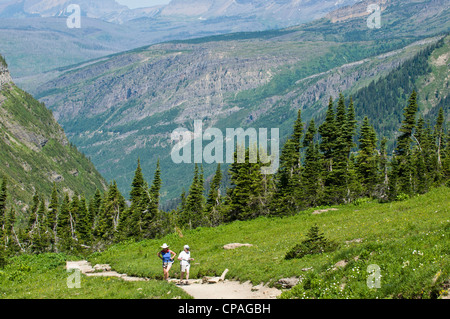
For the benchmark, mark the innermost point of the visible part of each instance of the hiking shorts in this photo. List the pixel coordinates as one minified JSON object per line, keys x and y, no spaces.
{"x":185,"y":267}
{"x":167,"y":263}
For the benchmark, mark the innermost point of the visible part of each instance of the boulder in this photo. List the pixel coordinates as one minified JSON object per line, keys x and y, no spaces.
{"x":236,"y":245}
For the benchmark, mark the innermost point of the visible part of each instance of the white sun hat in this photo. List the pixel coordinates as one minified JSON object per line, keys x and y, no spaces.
{"x":164,"y":246}
{"x":186,"y":247}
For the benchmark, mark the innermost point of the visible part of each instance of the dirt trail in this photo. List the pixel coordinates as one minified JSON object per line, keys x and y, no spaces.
{"x":230,"y":290}
{"x":215,"y":289}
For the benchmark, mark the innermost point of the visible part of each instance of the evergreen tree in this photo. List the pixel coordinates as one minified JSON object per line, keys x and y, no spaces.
{"x":40,"y":235}
{"x":248,"y":188}
{"x":84,"y":225}
{"x":112,"y":207}
{"x":337,"y":142}
{"x":11,"y":240}
{"x":137,"y":185}
{"x":402,"y":166}
{"x":328,"y":135}
{"x":287,"y":198}
{"x":94,"y":207}
{"x":439,"y":137}
{"x":193,"y":214}
{"x":32,"y":214}
{"x":53,"y":210}
{"x":367,"y":161}
{"x":3,"y":197}
{"x":312,"y":176}
{"x":383,"y":179}
{"x":64,"y":227}
{"x":213,"y":201}
{"x":151,"y":219}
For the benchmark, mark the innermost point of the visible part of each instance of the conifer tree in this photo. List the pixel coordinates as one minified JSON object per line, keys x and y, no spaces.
{"x":64,"y":227}
{"x":112,"y":207}
{"x":213,"y":201}
{"x":367,"y":161}
{"x":383,"y":179}
{"x":328,"y":135}
{"x":74,"y":214}
{"x":3,"y":197}
{"x":151,"y":215}
{"x":11,"y":241}
{"x":439,"y":137}
{"x":247,"y":190}
{"x":402,"y":166}
{"x":53,"y":210}
{"x":40,"y":234}
{"x":94,"y":208}
{"x":84,"y":226}
{"x":137,"y":185}
{"x":312,"y":175}
{"x":287,"y":198}
{"x":32,"y":213}
{"x":193,"y":214}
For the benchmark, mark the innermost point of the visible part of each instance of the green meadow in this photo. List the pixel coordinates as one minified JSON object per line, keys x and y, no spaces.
{"x":409,"y":242}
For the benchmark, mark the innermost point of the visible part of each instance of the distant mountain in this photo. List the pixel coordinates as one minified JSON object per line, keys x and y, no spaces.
{"x":287,"y":11}
{"x":119,"y":108}
{"x":34,"y":150}
{"x":108,"y":27}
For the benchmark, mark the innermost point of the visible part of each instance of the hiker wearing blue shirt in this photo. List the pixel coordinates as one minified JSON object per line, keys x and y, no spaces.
{"x":167,"y":256}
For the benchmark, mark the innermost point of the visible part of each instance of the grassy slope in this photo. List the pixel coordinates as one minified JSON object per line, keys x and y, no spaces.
{"x":44,"y":277}
{"x":409,"y":240}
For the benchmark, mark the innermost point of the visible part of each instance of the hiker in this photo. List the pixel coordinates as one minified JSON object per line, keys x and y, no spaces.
{"x":185,"y":263}
{"x":166,"y":256}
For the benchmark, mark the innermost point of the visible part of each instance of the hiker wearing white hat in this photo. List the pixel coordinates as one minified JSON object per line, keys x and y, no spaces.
{"x":167,"y":256}
{"x":185,"y":263}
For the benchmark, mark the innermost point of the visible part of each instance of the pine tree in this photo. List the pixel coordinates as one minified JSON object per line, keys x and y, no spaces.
{"x":3,"y":198}
{"x":151,"y":218}
{"x":11,"y":240}
{"x":312,"y":174}
{"x":193,"y":214}
{"x":402,"y":166}
{"x":53,"y":209}
{"x":32,"y":214}
{"x":213,"y":202}
{"x":328,"y":135}
{"x":249,"y":193}
{"x":367,"y":161}
{"x":84,"y":226}
{"x":94,"y":207}
{"x":112,"y":207}
{"x":287,"y":199}
{"x":64,"y":227}
{"x":337,"y":142}
{"x":40,"y":235}
{"x":383,"y":179}
{"x":137,"y":185}
{"x":439,"y":137}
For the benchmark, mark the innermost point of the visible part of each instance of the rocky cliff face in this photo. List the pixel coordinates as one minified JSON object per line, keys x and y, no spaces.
{"x":34,"y":150}
{"x":5,"y":77}
{"x":355,"y":11}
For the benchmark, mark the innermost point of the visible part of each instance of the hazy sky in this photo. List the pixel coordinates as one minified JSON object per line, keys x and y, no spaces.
{"x":142,"y":3}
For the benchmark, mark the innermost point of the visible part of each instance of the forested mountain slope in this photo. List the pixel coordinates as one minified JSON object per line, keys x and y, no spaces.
{"x":126,"y":106}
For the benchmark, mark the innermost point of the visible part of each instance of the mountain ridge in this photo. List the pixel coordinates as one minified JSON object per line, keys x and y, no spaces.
{"x":35,"y":152}
{"x":129,"y":103}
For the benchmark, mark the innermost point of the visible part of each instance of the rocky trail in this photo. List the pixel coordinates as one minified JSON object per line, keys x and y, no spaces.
{"x":206,"y":288}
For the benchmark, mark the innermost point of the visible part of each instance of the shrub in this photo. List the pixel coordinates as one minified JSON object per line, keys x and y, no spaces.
{"x":315,"y":243}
